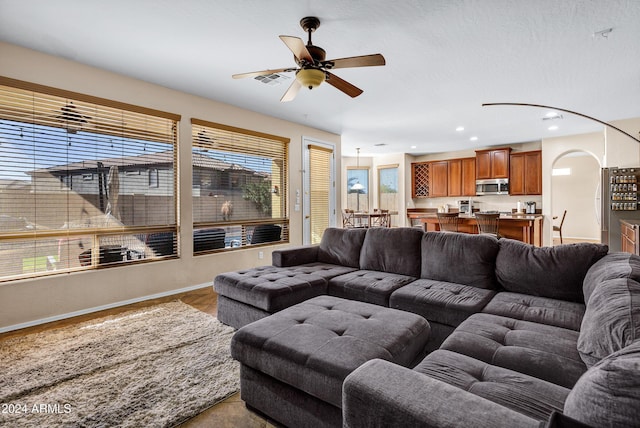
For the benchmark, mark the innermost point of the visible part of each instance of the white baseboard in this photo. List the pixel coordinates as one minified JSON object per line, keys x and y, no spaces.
{"x":101,"y":308}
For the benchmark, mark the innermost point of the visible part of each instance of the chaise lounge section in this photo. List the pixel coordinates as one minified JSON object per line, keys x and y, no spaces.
{"x":514,"y":329}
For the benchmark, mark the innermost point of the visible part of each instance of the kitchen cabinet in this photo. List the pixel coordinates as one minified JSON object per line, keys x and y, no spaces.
{"x":468,"y":176}
{"x":629,"y":236}
{"x":453,"y":177}
{"x":492,"y":163}
{"x":525,"y":173}
{"x":420,"y":180}
{"x":438,"y":178}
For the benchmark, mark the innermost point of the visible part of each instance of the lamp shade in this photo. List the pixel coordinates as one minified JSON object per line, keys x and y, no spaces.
{"x":310,"y":77}
{"x":357,"y":186}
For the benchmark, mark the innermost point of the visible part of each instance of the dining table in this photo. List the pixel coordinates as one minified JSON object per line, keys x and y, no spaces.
{"x":366,"y":219}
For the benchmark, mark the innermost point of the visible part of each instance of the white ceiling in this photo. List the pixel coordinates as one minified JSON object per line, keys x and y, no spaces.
{"x":444,"y":59}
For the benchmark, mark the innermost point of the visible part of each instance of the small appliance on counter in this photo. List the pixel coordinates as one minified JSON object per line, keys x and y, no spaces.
{"x":530,"y":207}
{"x":465,"y":206}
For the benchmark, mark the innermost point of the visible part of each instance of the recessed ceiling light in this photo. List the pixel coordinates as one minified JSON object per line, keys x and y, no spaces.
{"x":473,"y":139}
{"x":552,"y":115}
{"x":460,"y":128}
{"x":552,"y":128}
{"x":414,"y":147}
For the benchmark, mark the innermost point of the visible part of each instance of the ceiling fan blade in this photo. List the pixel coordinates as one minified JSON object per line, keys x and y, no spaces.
{"x":343,"y":85}
{"x":355,"y":61}
{"x":291,"y":92}
{"x":263,"y":72}
{"x":297,"y":46}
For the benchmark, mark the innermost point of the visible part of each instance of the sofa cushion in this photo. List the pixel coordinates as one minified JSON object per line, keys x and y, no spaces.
{"x":274,"y":288}
{"x":314,"y":345}
{"x":612,"y":319}
{"x":367,"y":286}
{"x":554,"y":272}
{"x":613,"y":265}
{"x":608,"y":394}
{"x":439,"y":301}
{"x":537,"y":309}
{"x":341,"y":246}
{"x":538,"y":350}
{"x":474,"y":258}
{"x":528,"y":395}
{"x":393,"y":250}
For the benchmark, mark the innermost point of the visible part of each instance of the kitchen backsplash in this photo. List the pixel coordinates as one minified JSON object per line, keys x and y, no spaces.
{"x":483,"y":203}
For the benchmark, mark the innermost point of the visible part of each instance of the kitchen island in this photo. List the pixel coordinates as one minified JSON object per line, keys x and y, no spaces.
{"x":523,"y":227}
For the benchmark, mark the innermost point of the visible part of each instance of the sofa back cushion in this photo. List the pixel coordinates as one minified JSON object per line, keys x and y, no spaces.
{"x":608,"y":394}
{"x":611,"y":320}
{"x":461,"y":258}
{"x":554,"y":272}
{"x":341,"y":246}
{"x":614,"y":265}
{"x":393,"y":250}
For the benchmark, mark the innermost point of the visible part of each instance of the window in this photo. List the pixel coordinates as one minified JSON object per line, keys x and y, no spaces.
{"x":239,"y":187}
{"x":154,"y":180}
{"x":70,"y":197}
{"x":561,"y":171}
{"x":358,"y":189}
{"x":388,"y":187}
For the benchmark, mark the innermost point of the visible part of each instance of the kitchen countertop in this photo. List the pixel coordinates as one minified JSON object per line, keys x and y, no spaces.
{"x":503,"y":216}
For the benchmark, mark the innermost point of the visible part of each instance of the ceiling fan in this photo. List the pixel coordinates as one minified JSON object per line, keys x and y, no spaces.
{"x":312,"y":68}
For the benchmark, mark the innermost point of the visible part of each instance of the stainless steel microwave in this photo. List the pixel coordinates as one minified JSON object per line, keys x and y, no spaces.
{"x":494,"y":186}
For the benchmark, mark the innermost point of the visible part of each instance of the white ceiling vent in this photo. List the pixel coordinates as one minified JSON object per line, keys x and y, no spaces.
{"x":272,"y":79}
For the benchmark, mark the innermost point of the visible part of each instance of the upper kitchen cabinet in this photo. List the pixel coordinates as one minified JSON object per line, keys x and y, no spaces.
{"x":438,"y":178}
{"x":525,"y":176}
{"x":462,"y":177}
{"x":453,"y":177}
{"x":468,"y":177}
{"x":492,"y":163}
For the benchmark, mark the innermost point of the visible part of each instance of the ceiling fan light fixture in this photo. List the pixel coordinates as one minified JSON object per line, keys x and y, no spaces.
{"x":310,"y":77}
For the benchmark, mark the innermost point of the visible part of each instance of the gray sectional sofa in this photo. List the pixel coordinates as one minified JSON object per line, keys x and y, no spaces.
{"x":519,"y":335}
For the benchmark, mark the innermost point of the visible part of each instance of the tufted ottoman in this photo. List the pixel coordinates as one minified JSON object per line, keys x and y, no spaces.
{"x":251,"y":294}
{"x":293,"y":363}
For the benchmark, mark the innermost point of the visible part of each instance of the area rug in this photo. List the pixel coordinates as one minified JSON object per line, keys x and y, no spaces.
{"x":152,"y":367}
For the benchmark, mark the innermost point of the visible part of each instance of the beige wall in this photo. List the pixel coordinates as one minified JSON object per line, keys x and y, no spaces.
{"x":27,"y":301}
{"x":609,"y":148}
{"x":621,"y":150}
{"x":576,"y":193}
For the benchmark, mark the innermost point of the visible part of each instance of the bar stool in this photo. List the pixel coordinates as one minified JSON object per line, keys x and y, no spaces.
{"x":448,"y":222}
{"x":488,"y":223}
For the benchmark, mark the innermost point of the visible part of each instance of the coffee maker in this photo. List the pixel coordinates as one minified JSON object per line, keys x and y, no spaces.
{"x":530,"y":207}
{"x":465,"y":206}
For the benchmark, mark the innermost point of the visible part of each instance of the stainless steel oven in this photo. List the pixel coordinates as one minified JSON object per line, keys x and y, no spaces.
{"x":494,"y":186}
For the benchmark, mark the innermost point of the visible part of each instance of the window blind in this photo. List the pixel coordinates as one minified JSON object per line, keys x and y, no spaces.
{"x":85,"y":182}
{"x":319,"y":190}
{"x":239,"y":187}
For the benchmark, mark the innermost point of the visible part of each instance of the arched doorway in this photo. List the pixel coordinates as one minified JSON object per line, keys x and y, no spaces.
{"x":575,"y":187}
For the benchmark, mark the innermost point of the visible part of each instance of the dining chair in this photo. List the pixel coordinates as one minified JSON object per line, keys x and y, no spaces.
{"x":488,"y":223}
{"x":559,"y":228}
{"x":348,"y":218}
{"x":382,"y":218}
{"x":448,"y":222}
